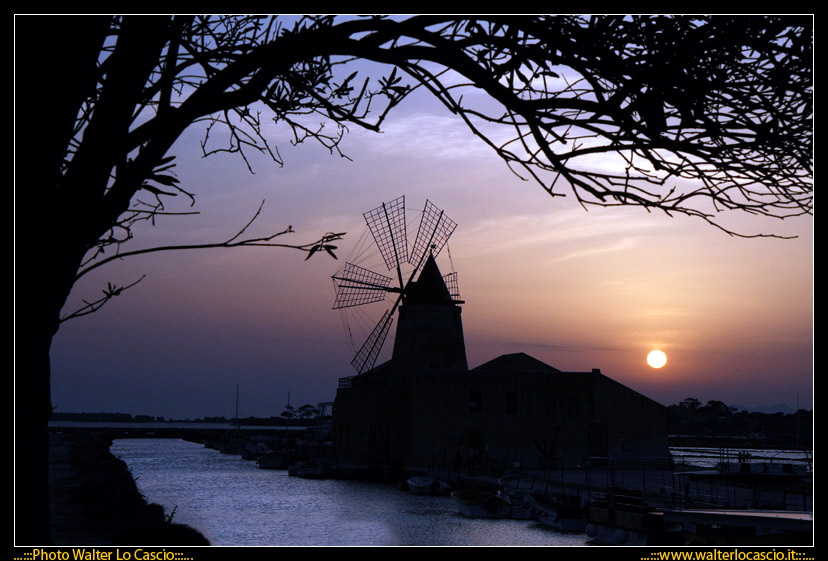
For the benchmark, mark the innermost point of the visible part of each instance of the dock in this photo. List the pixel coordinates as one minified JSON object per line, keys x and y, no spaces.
{"x":716,"y":527}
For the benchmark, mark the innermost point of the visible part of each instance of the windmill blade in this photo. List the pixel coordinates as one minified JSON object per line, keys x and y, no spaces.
{"x":367,"y":355}
{"x":435,"y":230}
{"x":356,"y":286}
{"x":387,"y":225}
{"x":453,"y":288}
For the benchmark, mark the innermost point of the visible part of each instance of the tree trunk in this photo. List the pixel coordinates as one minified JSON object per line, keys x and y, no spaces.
{"x":32,"y":411}
{"x":42,"y":287}
{"x":55,"y":70}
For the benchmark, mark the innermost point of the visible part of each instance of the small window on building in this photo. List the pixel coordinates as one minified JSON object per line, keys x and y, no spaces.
{"x":475,"y":398}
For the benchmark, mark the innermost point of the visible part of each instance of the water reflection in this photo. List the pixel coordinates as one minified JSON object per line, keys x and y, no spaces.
{"x":232,"y":502}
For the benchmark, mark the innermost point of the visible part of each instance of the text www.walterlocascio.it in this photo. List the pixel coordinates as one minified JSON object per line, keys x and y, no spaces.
{"x":730,"y":555}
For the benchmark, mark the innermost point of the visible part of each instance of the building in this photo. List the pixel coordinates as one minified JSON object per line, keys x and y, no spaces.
{"x":425,"y":408}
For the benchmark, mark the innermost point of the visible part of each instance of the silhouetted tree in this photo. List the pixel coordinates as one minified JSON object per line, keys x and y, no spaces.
{"x":717,"y":419}
{"x":690,"y":403}
{"x":703,"y":115}
{"x":289,"y":412}
{"x":719,"y":409}
{"x":307,"y":411}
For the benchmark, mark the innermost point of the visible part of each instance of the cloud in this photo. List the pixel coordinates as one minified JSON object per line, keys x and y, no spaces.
{"x":561,"y":235}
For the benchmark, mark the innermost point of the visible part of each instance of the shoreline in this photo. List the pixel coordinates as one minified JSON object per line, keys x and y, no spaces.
{"x":95,"y":502}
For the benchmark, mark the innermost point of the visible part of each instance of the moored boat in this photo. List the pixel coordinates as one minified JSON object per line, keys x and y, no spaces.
{"x":233,"y":447}
{"x":312,"y":471}
{"x":273,"y":460}
{"x":557,"y":514}
{"x":424,"y":485}
{"x":254,"y":450}
{"x":622,"y":517}
{"x":481,"y":504}
{"x":609,"y":535}
{"x":514,"y":491}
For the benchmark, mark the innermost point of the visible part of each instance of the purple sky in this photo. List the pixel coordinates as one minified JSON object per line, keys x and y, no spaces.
{"x":576,"y":289}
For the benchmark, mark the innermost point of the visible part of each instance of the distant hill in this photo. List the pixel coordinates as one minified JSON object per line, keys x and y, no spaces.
{"x":767,"y":409}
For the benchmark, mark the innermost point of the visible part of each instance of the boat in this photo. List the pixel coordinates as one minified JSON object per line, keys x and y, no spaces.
{"x":481,"y":504}
{"x":515,"y":489}
{"x":610,"y":535}
{"x":235,"y":447}
{"x":557,"y":514}
{"x":295,"y":468}
{"x":307,"y":470}
{"x":273,"y":460}
{"x":622,"y":517}
{"x":254,"y":450}
{"x":314,"y":472}
{"x":424,"y":485}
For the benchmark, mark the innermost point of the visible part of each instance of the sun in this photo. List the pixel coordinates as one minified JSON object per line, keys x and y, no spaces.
{"x":656,"y":359}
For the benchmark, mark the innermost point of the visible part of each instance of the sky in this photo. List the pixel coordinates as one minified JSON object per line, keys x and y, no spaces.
{"x":576,"y":289}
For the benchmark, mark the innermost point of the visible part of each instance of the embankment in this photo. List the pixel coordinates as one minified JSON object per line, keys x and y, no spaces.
{"x":95,"y":501}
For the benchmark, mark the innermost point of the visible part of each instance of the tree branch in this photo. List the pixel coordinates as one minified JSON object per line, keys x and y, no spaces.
{"x":323,"y":243}
{"x":110,"y":292}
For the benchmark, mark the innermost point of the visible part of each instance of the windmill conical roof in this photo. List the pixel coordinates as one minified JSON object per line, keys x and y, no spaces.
{"x":430,"y":288}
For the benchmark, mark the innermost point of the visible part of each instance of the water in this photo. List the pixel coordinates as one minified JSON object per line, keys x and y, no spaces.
{"x":233,"y":503}
{"x":710,"y":457}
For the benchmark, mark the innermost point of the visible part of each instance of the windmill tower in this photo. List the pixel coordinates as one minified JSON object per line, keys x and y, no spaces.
{"x":429,"y":331}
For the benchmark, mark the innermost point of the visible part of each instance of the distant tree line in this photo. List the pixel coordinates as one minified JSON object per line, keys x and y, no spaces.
{"x":294,"y":415}
{"x":106,"y":417}
{"x":306,"y":411}
{"x":690,"y":418}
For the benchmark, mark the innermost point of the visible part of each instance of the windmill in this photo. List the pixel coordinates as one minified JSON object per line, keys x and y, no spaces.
{"x":358,"y":286}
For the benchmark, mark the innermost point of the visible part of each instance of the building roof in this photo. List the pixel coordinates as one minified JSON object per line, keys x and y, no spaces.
{"x":430,"y":288}
{"x":516,"y":362}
